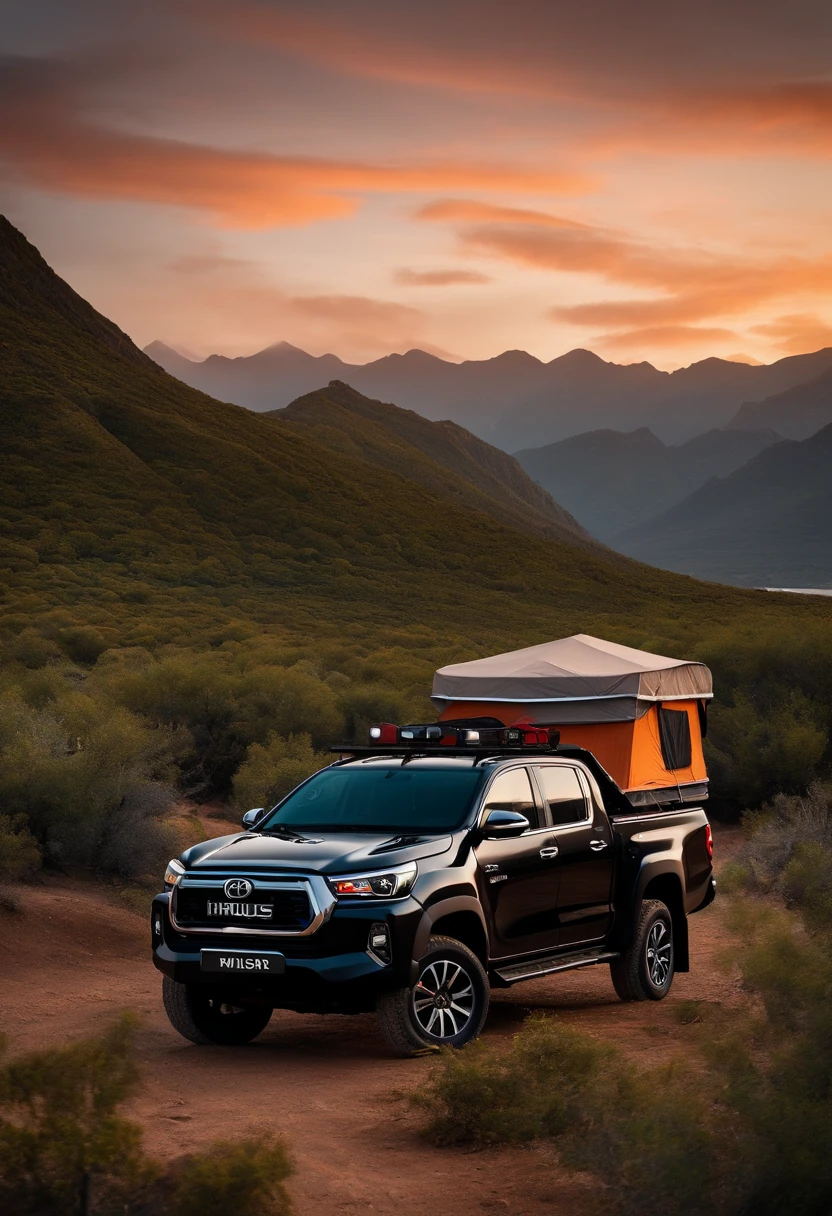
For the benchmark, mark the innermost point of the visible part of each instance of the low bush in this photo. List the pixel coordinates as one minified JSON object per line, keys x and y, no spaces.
{"x":478,"y":1097}
{"x":745,"y":1128}
{"x":779,"y":834}
{"x":65,"y":1150}
{"x":234,"y":1176}
{"x":19,"y":853}
{"x":63,"y":1146}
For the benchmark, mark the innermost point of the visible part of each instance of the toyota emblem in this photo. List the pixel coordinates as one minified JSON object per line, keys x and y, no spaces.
{"x":238,"y":888}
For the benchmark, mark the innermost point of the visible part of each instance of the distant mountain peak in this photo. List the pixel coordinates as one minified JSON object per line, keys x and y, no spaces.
{"x":160,"y":350}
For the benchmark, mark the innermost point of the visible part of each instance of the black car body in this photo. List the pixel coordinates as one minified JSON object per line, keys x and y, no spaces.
{"x":397,"y":880}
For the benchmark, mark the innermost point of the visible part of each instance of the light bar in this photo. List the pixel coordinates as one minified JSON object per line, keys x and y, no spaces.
{"x":451,"y":734}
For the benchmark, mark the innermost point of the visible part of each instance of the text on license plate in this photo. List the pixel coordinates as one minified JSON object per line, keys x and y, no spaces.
{"x":222,"y":908}
{"x":242,"y":960}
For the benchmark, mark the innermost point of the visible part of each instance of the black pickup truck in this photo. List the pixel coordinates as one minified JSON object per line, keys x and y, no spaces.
{"x":412,"y":877}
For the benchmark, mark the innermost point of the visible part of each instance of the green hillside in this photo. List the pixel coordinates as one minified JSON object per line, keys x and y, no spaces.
{"x":130,"y":497}
{"x":441,"y":456}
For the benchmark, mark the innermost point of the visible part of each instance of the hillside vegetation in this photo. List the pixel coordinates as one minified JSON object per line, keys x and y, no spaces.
{"x":441,"y":456}
{"x":195,"y":595}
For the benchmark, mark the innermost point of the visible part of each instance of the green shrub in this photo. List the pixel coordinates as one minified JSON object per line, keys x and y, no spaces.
{"x":19,"y":853}
{"x":243,"y":1176}
{"x":82,"y":643}
{"x":478,"y":1097}
{"x":272,"y":771}
{"x":777,"y":832}
{"x":775,"y":1072}
{"x":63,"y":1146}
{"x":76,"y":771}
{"x":651,"y":1136}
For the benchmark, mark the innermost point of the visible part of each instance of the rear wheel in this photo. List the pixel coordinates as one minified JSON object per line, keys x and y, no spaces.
{"x":199,"y":1015}
{"x":446,"y":1007}
{"x":645,"y":971}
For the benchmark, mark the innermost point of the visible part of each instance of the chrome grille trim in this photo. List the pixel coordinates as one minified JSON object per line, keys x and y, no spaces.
{"x":321,"y":903}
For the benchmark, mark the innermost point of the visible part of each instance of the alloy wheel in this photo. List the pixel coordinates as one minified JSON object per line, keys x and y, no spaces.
{"x":659,"y":953}
{"x":444,"y":999}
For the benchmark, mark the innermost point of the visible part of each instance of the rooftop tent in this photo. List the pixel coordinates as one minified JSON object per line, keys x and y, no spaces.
{"x":641,"y":714}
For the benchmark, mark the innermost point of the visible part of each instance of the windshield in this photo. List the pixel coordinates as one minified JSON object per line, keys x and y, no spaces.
{"x":379,"y":800}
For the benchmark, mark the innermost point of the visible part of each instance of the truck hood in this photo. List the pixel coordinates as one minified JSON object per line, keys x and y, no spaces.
{"x":313,"y":853}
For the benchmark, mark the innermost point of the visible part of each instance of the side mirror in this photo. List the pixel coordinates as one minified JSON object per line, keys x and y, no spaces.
{"x":501,"y":825}
{"x":251,"y":817}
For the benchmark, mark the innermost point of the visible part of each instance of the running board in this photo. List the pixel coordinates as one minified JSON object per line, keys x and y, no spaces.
{"x":546,"y":966}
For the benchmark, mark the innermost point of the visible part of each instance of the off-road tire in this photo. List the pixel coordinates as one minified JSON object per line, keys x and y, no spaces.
{"x":396,"y":1010}
{"x":196,"y":1013}
{"x":631,"y":973}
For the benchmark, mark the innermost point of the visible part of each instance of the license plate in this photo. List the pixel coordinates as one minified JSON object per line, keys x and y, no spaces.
{"x":223,"y":910}
{"x":242,"y":962}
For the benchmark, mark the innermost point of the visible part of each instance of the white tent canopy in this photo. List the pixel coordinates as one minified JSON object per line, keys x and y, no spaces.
{"x":560,"y":678}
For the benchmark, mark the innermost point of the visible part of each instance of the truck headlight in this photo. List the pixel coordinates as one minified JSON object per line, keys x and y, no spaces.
{"x":387,"y":884}
{"x":173,"y":873}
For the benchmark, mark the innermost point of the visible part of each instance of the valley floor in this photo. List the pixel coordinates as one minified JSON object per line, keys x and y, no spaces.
{"x":75,"y":957}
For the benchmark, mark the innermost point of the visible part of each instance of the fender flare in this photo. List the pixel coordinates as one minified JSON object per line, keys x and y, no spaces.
{"x":436,"y":912}
{"x":672,"y":869}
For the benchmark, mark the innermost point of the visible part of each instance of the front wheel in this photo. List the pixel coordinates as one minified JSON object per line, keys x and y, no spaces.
{"x":645,"y":971}
{"x":446,"y":1007}
{"x":199,"y":1015}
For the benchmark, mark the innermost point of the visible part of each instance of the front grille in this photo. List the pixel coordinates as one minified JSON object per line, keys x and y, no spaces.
{"x":291,"y":911}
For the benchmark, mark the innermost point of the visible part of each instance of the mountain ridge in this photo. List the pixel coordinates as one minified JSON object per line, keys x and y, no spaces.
{"x":798,"y":412}
{"x":514,"y":400}
{"x":614,"y":480}
{"x":769,"y":523}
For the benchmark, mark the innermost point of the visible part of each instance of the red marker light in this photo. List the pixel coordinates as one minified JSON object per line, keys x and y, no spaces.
{"x":709,"y":841}
{"x":386,"y":733}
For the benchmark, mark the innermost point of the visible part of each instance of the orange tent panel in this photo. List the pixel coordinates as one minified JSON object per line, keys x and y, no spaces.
{"x":631,"y":752}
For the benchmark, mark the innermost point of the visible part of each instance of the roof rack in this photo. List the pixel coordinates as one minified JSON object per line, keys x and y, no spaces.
{"x":418,"y":750}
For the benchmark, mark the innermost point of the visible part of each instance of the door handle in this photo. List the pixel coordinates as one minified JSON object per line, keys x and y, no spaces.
{"x":597,"y":845}
{"x":550,"y":852}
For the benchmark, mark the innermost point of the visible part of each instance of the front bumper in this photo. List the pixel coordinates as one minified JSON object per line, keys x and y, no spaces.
{"x":332,"y":967}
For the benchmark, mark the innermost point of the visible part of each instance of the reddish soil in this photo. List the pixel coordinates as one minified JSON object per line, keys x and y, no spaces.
{"x":75,"y":957}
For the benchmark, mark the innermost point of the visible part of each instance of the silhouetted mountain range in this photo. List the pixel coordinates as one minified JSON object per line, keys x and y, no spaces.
{"x":514,"y":400}
{"x":612,"y":480}
{"x":769,"y":524}
{"x":797,"y":413}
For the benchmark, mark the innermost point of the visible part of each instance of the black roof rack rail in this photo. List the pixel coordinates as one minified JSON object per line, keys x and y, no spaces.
{"x":420,"y":750}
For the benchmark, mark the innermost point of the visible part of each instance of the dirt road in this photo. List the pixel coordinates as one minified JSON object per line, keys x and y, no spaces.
{"x":75,"y":957}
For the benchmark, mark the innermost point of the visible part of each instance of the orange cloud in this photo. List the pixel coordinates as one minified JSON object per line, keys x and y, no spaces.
{"x":797,"y":333}
{"x":671,"y":336}
{"x":438,"y":278}
{"x":46,"y":142}
{"x":786,"y":120}
{"x":613,"y":65}
{"x":463,"y":210}
{"x":695,"y":285}
{"x":371,"y":51}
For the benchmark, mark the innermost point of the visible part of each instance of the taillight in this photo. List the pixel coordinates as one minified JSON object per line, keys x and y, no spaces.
{"x":709,"y":841}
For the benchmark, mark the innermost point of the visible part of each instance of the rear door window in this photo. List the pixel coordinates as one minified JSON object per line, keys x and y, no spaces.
{"x":563,"y":794}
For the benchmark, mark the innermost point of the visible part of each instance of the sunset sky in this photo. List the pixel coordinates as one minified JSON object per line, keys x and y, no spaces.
{"x":649,"y":180}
